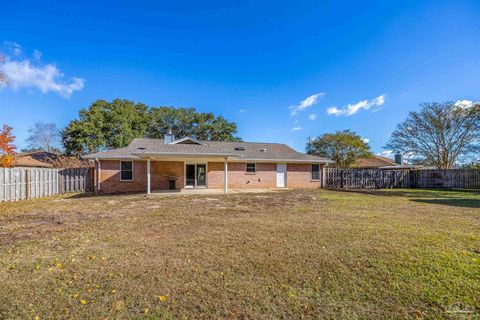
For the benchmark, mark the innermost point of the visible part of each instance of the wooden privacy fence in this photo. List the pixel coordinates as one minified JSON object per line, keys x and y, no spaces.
{"x":28,"y":183}
{"x":382,"y":179}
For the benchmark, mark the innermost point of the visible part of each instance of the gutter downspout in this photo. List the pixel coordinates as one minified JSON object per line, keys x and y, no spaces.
{"x":148,"y":176}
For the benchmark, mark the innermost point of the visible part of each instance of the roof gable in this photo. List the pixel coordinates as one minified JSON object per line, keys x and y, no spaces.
{"x":186,"y":140}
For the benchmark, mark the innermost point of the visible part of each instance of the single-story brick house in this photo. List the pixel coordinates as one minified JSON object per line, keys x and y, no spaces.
{"x":163,"y":164}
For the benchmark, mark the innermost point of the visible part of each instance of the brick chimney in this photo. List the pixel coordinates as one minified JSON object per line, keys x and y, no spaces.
{"x":399,"y":158}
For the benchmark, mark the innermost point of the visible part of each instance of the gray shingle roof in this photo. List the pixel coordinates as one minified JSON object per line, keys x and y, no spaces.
{"x":141,"y":148}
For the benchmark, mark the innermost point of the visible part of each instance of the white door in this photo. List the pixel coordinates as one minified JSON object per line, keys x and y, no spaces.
{"x":281,"y":175}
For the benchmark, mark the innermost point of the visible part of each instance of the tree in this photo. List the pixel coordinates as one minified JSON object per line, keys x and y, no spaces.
{"x":44,"y":136}
{"x":344,"y":147}
{"x":87,"y":134}
{"x":471,"y":165}
{"x":188,"y":122}
{"x":115,"y":124}
{"x":3,"y":76}
{"x":105,"y":125}
{"x":7,"y":149}
{"x":440,"y":133}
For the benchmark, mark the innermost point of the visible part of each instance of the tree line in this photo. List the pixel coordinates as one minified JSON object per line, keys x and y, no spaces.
{"x":106,"y":125}
{"x":439,"y":134}
{"x":115,"y":124}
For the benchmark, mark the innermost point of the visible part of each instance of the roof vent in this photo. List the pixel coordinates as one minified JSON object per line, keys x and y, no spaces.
{"x":263,"y":150}
{"x":240,"y":148}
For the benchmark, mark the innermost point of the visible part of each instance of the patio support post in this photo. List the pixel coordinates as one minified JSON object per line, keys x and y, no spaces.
{"x":225,"y":176}
{"x":148,"y":176}
{"x":99,"y":173}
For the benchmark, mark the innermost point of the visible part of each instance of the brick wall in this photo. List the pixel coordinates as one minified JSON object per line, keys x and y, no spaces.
{"x":110,"y":177}
{"x":159,"y":172}
{"x":299,"y":175}
{"x":265,"y":177}
{"x":215,"y":175}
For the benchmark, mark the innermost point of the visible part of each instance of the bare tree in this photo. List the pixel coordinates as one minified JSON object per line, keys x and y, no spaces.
{"x":44,"y":136}
{"x":3,"y":76}
{"x":440,"y":133}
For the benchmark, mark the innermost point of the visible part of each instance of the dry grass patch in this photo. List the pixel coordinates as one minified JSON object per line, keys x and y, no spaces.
{"x":296,"y":254}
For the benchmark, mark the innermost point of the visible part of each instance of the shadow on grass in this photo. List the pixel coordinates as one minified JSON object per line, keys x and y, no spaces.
{"x":466,"y":203}
{"x":468,"y":198}
{"x":415,"y":193}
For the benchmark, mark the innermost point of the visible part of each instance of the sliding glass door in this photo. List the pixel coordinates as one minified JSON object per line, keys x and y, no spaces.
{"x":201,"y":175}
{"x":190,"y":175}
{"x":195,"y":175}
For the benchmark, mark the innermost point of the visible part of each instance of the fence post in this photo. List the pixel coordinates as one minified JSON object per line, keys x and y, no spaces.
{"x":27,"y":184}
{"x":323,"y":177}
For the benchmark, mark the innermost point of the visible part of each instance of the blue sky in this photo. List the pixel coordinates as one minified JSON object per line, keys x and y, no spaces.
{"x":283,"y":70}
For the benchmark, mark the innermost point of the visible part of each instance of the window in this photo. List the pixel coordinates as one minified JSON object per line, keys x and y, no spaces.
{"x":126,"y":170}
{"x":315,"y":172}
{"x":251,"y":168}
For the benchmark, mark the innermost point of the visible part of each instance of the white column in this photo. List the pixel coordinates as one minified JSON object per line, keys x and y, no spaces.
{"x":148,"y":176}
{"x":99,"y":173}
{"x":225,"y":176}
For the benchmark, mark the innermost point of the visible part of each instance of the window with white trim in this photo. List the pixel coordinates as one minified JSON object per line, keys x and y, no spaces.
{"x":251,"y":167}
{"x":315,"y":172}
{"x":126,"y":170}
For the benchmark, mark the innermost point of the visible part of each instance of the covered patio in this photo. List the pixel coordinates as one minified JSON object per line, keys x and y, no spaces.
{"x":194,"y":179}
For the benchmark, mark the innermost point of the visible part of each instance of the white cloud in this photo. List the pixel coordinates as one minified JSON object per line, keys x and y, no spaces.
{"x":13,"y":47}
{"x":312,"y":117}
{"x":306,"y":103}
{"x":22,"y":73}
{"x":352,"y":109}
{"x":386,"y":154}
{"x":296,"y":129}
{"x":242,"y":110}
{"x":37,"y":54}
{"x":464,"y":104}
{"x":366,"y":140}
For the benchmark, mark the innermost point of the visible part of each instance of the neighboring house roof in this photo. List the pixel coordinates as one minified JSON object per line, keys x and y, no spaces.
{"x":43,"y":159}
{"x":188,"y":147}
{"x":381,"y":163}
{"x":374,"y":162}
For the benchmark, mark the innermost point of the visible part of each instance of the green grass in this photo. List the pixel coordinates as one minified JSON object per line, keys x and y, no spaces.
{"x":295,"y":254}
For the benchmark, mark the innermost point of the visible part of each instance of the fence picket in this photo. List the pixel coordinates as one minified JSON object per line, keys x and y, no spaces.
{"x":376,"y":178}
{"x":14,"y":182}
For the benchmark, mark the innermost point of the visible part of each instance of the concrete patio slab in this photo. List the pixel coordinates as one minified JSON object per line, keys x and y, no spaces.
{"x":200,"y":191}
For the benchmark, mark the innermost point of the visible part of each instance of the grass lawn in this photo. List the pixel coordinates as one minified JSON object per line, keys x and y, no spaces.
{"x":294,"y":254}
